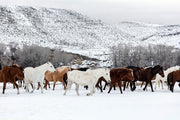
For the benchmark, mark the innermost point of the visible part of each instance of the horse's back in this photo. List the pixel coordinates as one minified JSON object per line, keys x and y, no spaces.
{"x":81,"y":77}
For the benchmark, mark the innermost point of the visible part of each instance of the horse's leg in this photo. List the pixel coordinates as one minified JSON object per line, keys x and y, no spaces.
{"x":119,"y":84}
{"x":114,"y":86}
{"x":20,"y":83}
{"x":26,"y":86}
{"x":156,"y":84}
{"x":172,"y":86}
{"x":49,"y":85}
{"x":159,"y":84}
{"x":131,"y":86}
{"x":151,"y":86}
{"x":92,"y":90}
{"x":31,"y":85}
{"x":54,"y":84}
{"x":124,"y":85}
{"x":128,"y":84}
{"x":34,"y":86}
{"x":162,"y":82}
{"x":134,"y":85}
{"x":41,"y":85}
{"x":4,"y":87}
{"x":145,"y":86}
{"x":99,"y":84}
{"x":106,"y":83}
{"x":64,"y":84}
{"x":111,"y":85}
{"x":16,"y":85}
{"x":45,"y":85}
{"x":68,"y":87}
{"x":65,"y":78}
{"x":142,"y":84}
{"x":77,"y":89}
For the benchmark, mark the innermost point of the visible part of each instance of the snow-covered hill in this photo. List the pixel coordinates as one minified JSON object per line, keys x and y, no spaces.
{"x":77,"y":33}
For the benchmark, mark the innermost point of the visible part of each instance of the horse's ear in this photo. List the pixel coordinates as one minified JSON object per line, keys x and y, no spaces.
{"x":21,"y":68}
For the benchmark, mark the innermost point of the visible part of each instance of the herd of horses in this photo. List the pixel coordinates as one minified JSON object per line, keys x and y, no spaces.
{"x":90,"y":78}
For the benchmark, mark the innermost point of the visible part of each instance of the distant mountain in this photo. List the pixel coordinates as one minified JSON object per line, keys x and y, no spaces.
{"x":74,"y":32}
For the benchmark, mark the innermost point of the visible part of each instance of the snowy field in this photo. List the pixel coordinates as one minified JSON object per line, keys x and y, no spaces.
{"x":53,"y":105}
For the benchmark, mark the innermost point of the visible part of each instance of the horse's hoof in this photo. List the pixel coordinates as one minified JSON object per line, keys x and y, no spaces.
{"x":88,"y":94}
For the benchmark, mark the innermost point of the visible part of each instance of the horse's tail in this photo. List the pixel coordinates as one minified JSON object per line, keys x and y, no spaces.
{"x":65,"y":77}
{"x":169,"y":78}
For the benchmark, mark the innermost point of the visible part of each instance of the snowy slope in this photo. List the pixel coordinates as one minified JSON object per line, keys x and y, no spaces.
{"x":74,"y":32}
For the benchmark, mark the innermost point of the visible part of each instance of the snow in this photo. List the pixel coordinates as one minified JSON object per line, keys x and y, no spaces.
{"x":53,"y":105}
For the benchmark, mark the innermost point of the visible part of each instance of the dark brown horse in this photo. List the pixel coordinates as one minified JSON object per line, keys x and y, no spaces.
{"x":118,"y":75}
{"x":99,"y":83}
{"x":11,"y":74}
{"x":172,"y":78}
{"x":146,"y":75}
{"x":136,"y":74}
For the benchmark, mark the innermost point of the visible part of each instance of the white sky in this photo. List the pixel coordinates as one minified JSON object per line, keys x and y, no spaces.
{"x":114,"y":11}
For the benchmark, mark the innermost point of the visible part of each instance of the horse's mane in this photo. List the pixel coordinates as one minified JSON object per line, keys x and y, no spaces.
{"x":131,"y":67}
{"x":171,"y":69}
{"x":14,"y":65}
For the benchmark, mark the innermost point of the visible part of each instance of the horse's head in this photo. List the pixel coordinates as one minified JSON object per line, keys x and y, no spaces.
{"x":161,"y":72}
{"x":69,"y":68}
{"x":50,"y":67}
{"x":20,"y":73}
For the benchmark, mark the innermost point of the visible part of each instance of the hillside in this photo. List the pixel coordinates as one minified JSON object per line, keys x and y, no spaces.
{"x":77,"y":33}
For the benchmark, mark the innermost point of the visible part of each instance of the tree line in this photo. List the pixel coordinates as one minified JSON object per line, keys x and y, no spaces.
{"x":34,"y":56}
{"x":143,"y":56}
{"x":122,"y":55}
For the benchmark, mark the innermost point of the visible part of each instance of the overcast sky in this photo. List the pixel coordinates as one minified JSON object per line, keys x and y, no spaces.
{"x":114,"y":11}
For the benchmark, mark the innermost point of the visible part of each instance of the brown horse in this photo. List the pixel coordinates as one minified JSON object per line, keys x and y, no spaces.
{"x":118,"y":75}
{"x":147,"y":75}
{"x":57,"y":76}
{"x":99,"y":83}
{"x":11,"y":74}
{"x":172,"y":78}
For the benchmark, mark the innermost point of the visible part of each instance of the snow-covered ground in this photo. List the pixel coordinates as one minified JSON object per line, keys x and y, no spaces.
{"x":53,"y":105}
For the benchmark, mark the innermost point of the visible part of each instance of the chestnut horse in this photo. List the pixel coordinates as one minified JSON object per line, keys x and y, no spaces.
{"x":136,"y":73}
{"x":118,"y":75}
{"x":11,"y":74}
{"x":172,"y":78}
{"x":146,"y":75}
{"x":59,"y":75}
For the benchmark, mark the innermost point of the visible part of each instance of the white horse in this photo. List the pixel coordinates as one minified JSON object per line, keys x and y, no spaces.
{"x":82,"y":78}
{"x":100,"y":72}
{"x":35,"y":75}
{"x":163,"y":79}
